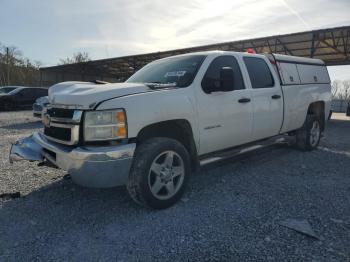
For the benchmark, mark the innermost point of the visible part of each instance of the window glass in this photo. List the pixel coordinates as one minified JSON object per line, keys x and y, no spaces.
{"x":41,"y":92}
{"x":180,"y":70}
{"x":259,"y":72}
{"x":6,"y":90}
{"x":23,"y":92}
{"x":27,"y":93}
{"x":212,"y":76}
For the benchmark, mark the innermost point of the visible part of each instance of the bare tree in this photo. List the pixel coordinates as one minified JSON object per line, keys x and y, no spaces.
{"x":336,"y":85}
{"x":76,"y":58}
{"x":346,"y":88}
{"x":16,"y":69}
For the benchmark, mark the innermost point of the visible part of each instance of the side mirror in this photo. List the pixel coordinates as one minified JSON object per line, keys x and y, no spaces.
{"x":226,"y":79}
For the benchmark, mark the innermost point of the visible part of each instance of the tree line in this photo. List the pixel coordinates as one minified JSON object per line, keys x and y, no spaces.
{"x":341,"y":89}
{"x":16,"y":69}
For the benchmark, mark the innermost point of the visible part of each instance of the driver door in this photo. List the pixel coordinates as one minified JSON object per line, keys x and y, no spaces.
{"x":24,"y":97}
{"x":225,"y":118}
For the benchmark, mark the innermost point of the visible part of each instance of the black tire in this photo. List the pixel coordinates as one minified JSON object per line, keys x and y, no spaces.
{"x":330,"y":114}
{"x":139,"y":185}
{"x":305,"y":138}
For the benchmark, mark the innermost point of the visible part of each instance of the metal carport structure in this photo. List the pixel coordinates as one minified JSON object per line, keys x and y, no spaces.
{"x":331,"y":45}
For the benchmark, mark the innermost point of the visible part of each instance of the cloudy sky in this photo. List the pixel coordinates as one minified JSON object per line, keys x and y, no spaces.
{"x":49,"y":30}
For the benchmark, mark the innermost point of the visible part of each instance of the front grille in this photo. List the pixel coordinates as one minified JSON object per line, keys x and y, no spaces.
{"x":60,"y":112}
{"x":59,"y":133}
{"x":62,"y":125}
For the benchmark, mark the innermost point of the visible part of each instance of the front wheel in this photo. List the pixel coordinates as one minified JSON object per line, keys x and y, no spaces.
{"x":159,"y":173}
{"x":309,"y":135}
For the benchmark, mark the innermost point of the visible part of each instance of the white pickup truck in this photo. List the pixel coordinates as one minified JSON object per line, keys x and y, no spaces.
{"x":151,"y":132}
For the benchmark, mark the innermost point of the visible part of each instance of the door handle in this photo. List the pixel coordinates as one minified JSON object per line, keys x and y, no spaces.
{"x":244,"y":100}
{"x":276,"y":97}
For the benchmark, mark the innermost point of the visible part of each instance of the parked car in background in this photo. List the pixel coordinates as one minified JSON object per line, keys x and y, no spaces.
{"x":20,"y":97}
{"x":39,"y":105}
{"x":7,"y":89}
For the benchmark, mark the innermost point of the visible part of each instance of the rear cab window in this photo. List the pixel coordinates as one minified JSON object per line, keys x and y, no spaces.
{"x":259,"y":72}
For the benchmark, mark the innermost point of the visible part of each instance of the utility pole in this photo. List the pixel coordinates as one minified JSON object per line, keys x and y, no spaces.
{"x":8,"y":65}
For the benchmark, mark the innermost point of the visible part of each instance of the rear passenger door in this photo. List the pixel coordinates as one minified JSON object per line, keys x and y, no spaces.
{"x":267,"y":98}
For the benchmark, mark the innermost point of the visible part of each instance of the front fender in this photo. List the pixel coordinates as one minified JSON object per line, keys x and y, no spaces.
{"x":153,"y":107}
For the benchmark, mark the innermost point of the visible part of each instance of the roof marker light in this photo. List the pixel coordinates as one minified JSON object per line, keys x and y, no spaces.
{"x":251,"y":51}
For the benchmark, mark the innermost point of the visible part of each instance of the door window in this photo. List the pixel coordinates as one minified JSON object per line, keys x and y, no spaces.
{"x":40,"y":92}
{"x":26,"y":93}
{"x":259,"y":72}
{"x":22,"y":93}
{"x":212,"y":76}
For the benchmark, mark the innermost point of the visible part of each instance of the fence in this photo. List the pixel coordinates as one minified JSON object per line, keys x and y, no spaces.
{"x":340,"y":105}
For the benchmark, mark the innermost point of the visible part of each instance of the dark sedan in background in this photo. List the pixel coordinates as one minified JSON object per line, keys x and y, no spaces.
{"x":20,"y":97}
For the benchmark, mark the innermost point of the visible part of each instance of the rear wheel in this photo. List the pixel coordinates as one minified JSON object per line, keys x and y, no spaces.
{"x":309,"y":135}
{"x":159,"y":173}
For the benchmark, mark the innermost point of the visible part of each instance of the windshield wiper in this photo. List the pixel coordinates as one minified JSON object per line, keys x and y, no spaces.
{"x":158,"y":85}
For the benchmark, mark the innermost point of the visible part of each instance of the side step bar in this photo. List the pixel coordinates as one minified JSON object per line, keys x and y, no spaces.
{"x":241,"y":150}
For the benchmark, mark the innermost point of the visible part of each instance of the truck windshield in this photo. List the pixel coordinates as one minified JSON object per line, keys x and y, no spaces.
{"x":177,"y":70}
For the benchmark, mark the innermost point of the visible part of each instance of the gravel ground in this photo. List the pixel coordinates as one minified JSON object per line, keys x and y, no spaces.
{"x":231,"y":212}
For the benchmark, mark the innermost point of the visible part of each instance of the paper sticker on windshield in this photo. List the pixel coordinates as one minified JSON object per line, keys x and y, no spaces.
{"x":175,"y":73}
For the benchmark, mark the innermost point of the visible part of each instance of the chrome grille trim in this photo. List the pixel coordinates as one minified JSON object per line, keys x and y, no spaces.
{"x":74,"y":129}
{"x":76,"y":107}
{"x":68,"y":123}
{"x":75,"y":120}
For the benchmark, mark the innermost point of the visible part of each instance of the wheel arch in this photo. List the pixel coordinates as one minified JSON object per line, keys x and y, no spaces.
{"x":318,"y":108}
{"x":178,"y":129}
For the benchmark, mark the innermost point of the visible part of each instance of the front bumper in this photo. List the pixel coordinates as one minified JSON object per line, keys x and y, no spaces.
{"x":88,"y":166}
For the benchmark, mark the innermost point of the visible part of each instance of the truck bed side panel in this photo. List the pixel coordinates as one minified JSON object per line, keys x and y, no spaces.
{"x":297,"y":99}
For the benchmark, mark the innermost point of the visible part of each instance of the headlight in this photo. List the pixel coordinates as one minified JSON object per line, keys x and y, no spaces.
{"x":104,"y":125}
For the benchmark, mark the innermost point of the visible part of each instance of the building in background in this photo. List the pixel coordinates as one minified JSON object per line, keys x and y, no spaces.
{"x":331,"y":45}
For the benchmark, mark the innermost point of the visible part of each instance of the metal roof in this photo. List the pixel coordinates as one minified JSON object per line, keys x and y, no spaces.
{"x":332,"y":45}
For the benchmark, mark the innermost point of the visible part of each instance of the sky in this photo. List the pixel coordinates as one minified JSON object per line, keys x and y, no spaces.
{"x":49,"y":30}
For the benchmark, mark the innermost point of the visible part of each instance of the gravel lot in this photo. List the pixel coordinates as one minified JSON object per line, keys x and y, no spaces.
{"x":231,"y":212}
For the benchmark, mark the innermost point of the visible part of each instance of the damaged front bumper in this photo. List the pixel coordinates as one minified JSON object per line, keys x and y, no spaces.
{"x":96,"y":166}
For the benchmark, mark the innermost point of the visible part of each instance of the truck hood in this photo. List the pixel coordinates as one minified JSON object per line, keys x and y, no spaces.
{"x":85,"y":95}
